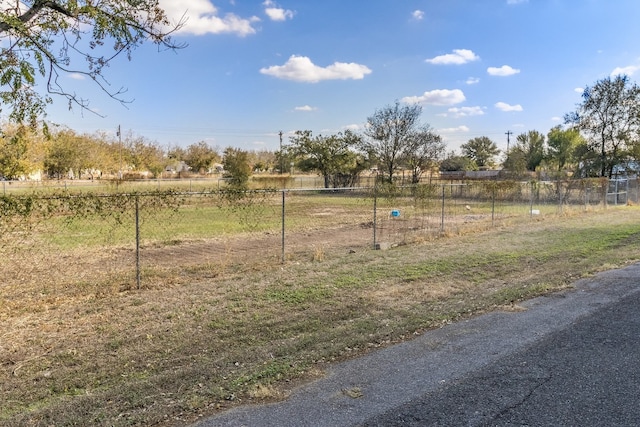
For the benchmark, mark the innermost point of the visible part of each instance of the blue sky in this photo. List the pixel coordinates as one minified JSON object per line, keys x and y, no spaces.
{"x":255,"y":67}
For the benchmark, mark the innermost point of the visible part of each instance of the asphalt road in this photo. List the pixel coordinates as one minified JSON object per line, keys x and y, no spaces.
{"x":569,"y":359}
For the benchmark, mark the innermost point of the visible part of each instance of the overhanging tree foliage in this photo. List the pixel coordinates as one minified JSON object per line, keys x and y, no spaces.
{"x":609,"y":117}
{"x":44,"y":39}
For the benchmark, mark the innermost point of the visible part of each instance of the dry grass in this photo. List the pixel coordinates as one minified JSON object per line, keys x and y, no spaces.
{"x":98,"y":351}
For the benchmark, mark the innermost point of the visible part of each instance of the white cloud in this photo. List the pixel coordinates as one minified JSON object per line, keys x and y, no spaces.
{"x":556,"y":119}
{"x":628,"y":71}
{"x":301,"y":69}
{"x":201,"y":17}
{"x":464,"y":112}
{"x":579,"y":90}
{"x":472,"y":80}
{"x":517,"y":1}
{"x":503,"y":71}
{"x":458,"y":57}
{"x":437,"y":97}
{"x":418,"y":15}
{"x":276,"y":13}
{"x":305,"y":108}
{"x":454,"y":130}
{"x":76,"y":76}
{"x":503,"y":106}
{"x":352,"y":127}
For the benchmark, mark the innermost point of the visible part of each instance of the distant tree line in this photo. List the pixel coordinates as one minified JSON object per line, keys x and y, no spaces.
{"x":63,"y":154}
{"x":601,"y":138}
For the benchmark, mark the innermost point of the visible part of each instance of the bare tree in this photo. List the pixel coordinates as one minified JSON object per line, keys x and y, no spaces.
{"x":424,"y":152}
{"x":390,"y":131}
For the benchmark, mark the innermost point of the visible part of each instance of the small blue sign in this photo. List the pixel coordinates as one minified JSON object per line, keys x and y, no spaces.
{"x":395,"y":213}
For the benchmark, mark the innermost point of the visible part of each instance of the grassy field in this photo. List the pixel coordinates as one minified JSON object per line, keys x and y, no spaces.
{"x":76,"y":353}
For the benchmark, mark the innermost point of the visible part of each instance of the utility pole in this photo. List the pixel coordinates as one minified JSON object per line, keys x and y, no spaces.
{"x":280,"y":134}
{"x":508,"y":133}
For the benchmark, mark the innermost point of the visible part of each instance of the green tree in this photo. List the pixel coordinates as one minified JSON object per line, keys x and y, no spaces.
{"x":142,"y":155}
{"x":389,"y":131}
{"x":332,"y":156}
{"x":102,"y":158}
{"x":532,"y":145}
{"x":201,"y":157}
{"x":455,"y":163}
{"x":516,"y":162}
{"x":237,"y":168}
{"x":634,"y":151}
{"x":66,"y":151}
{"x":45,"y":39}
{"x":177,"y":153}
{"x":424,"y":151}
{"x":481,"y":150}
{"x":64,"y":154}
{"x":527,"y":153}
{"x":283,"y":159}
{"x":21,"y":151}
{"x":609,"y":117}
{"x":562,"y":147}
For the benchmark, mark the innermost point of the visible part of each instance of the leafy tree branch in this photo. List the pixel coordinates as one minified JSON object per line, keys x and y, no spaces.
{"x":48,"y":38}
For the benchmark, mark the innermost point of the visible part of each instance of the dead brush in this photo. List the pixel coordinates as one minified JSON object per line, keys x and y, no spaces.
{"x":266,"y":392}
{"x":318,"y":254}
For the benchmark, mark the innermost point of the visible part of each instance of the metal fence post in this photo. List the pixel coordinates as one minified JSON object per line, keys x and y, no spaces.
{"x":493,"y":205}
{"x":626,"y":192}
{"x":283,"y":217}
{"x":138,"y":242}
{"x":375,"y":217}
{"x":442,"y":213}
{"x":586,"y":197}
{"x":559,"y":186}
{"x":531,"y":194}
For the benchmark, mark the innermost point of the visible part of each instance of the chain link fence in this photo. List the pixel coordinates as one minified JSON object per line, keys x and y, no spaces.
{"x":88,"y":244}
